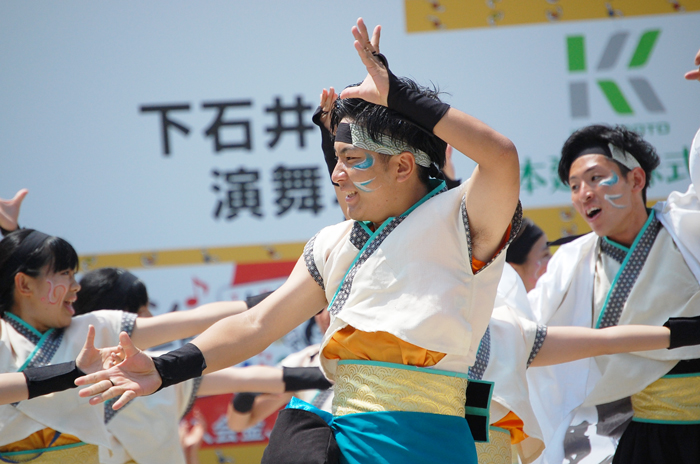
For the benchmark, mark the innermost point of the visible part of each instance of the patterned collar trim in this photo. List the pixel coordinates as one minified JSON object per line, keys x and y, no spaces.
{"x":613,"y":250}
{"x":629,"y":272}
{"x":26,"y":330}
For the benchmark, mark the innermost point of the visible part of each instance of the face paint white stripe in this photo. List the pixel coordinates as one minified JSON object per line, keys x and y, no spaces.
{"x":363,"y":185}
{"x":610,"y":199}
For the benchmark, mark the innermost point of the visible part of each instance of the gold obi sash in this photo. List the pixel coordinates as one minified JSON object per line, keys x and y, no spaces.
{"x":497,"y":450}
{"x":673,"y":399}
{"x":372,"y":386}
{"x":76,"y":453}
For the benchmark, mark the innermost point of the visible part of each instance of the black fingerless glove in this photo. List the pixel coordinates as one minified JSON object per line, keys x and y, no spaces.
{"x":253,"y":300}
{"x":685,"y":331}
{"x":243,"y":402}
{"x":421,"y":110}
{"x":327,"y":142}
{"x":304,"y":378}
{"x":179,"y":365}
{"x":51,"y":379}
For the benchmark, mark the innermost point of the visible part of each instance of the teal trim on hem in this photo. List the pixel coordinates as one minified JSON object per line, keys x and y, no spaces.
{"x":405,"y":367}
{"x":44,"y":450}
{"x":679,"y":376}
{"x":36,"y":349}
{"x":622,"y":266}
{"x":663,"y":422}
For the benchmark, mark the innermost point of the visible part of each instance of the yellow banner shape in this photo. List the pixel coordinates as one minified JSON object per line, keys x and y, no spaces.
{"x":436,"y":15}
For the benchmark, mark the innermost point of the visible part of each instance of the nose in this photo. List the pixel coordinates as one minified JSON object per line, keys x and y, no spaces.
{"x":74,"y":285}
{"x":338,"y":172}
{"x":585,"y":192}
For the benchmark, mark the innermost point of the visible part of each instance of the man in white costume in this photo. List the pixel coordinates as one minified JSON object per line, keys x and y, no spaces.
{"x":638,"y":266}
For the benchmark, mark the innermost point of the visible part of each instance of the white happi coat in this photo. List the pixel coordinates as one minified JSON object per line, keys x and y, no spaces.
{"x":411,"y":278}
{"x":667,"y":286}
{"x":145,"y":430}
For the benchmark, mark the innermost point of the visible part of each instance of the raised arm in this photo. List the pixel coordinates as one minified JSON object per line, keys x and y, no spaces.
{"x":495,"y":185}
{"x":9,"y":212}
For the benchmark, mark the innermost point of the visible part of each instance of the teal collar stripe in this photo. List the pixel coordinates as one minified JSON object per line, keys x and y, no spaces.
{"x":622,"y":293}
{"x":437,"y":187}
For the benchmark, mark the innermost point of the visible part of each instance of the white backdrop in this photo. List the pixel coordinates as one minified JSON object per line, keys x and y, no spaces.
{"x":74,"y":75}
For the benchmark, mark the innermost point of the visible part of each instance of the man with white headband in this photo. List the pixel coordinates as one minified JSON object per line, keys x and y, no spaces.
{"x":639,"y":266}
{"x":410,"y":283}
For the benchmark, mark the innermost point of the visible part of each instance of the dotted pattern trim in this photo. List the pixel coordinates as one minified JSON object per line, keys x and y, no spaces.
{"x":628,"y":276}
{"x":515,"y":224}
{"x":346,"y":286}
{"x":540,"y":335}
{"x":311,"y":264}
{"x":483,"y":355}
{"x":127,"y":325}
{"x":128,"y":322}
{"x":196,"y":383}
{"x":612,"y":251}
{"x":22,"y":329}
{"x":45,"y":354}
{"x":358,"y":236}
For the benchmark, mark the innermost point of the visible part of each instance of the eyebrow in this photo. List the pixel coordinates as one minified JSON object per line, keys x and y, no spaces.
{"x":347,"y":148}
{"x":584,"y":172}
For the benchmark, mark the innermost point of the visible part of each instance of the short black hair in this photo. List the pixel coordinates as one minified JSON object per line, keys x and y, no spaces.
{"x":45,"y":250}
{"x":110,"y":288}
{"x":379,"y":120}
{"x":602,"y":135}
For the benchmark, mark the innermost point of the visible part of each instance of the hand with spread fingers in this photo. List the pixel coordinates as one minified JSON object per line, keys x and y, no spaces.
{"x":695,"y":74}
{"x":91,"y":359}
{"x":375,"y":87}
{"x":135,"y":376}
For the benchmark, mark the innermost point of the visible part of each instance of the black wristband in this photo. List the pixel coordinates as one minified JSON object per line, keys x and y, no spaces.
{"x":253,"y":300}
{"x":304,"y":378}
{"x":327,"y":142}
{"x":685,"y":331}
{"x":243,"y":402}
{"x":51,"y":379}
{"x":179,"y":365}
{"x":421,"y":110}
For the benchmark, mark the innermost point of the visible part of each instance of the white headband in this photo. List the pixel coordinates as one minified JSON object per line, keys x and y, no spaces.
{"x":386,"y":146}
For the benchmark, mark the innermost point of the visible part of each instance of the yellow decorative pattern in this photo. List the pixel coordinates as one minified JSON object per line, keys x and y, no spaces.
{"x":497,"y":450}
{"x":83,"y":454}
{"x":437,"y":15}
{"x":669,"y":399}
{"x":370,"y":388}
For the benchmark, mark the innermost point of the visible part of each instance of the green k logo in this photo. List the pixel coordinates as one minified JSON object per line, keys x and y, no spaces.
{"x":578,"y":90}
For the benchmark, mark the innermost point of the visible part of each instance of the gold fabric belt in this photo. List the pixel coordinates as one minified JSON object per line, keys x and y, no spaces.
{"x":373,"y":387}
{"x":82,"y":453}
{"x":497,"y":450}
{"x":671,"y":399}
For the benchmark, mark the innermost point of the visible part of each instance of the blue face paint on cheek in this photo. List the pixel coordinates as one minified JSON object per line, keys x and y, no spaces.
{"x":366,"y":164}
{"x":610,"y":181}
{"x":362,"y":186}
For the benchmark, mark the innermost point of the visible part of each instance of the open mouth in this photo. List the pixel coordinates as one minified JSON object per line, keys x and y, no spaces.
{"x":69,"y":306}
{"x":592,"y":212}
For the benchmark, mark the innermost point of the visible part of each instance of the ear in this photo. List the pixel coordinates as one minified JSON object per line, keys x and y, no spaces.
{"x":405,"y":165}
{"x":638,"y":178}
{"x":24,"y":284}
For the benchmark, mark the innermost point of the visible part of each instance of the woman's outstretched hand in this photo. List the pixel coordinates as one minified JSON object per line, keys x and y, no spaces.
{"x":135,"y":376}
